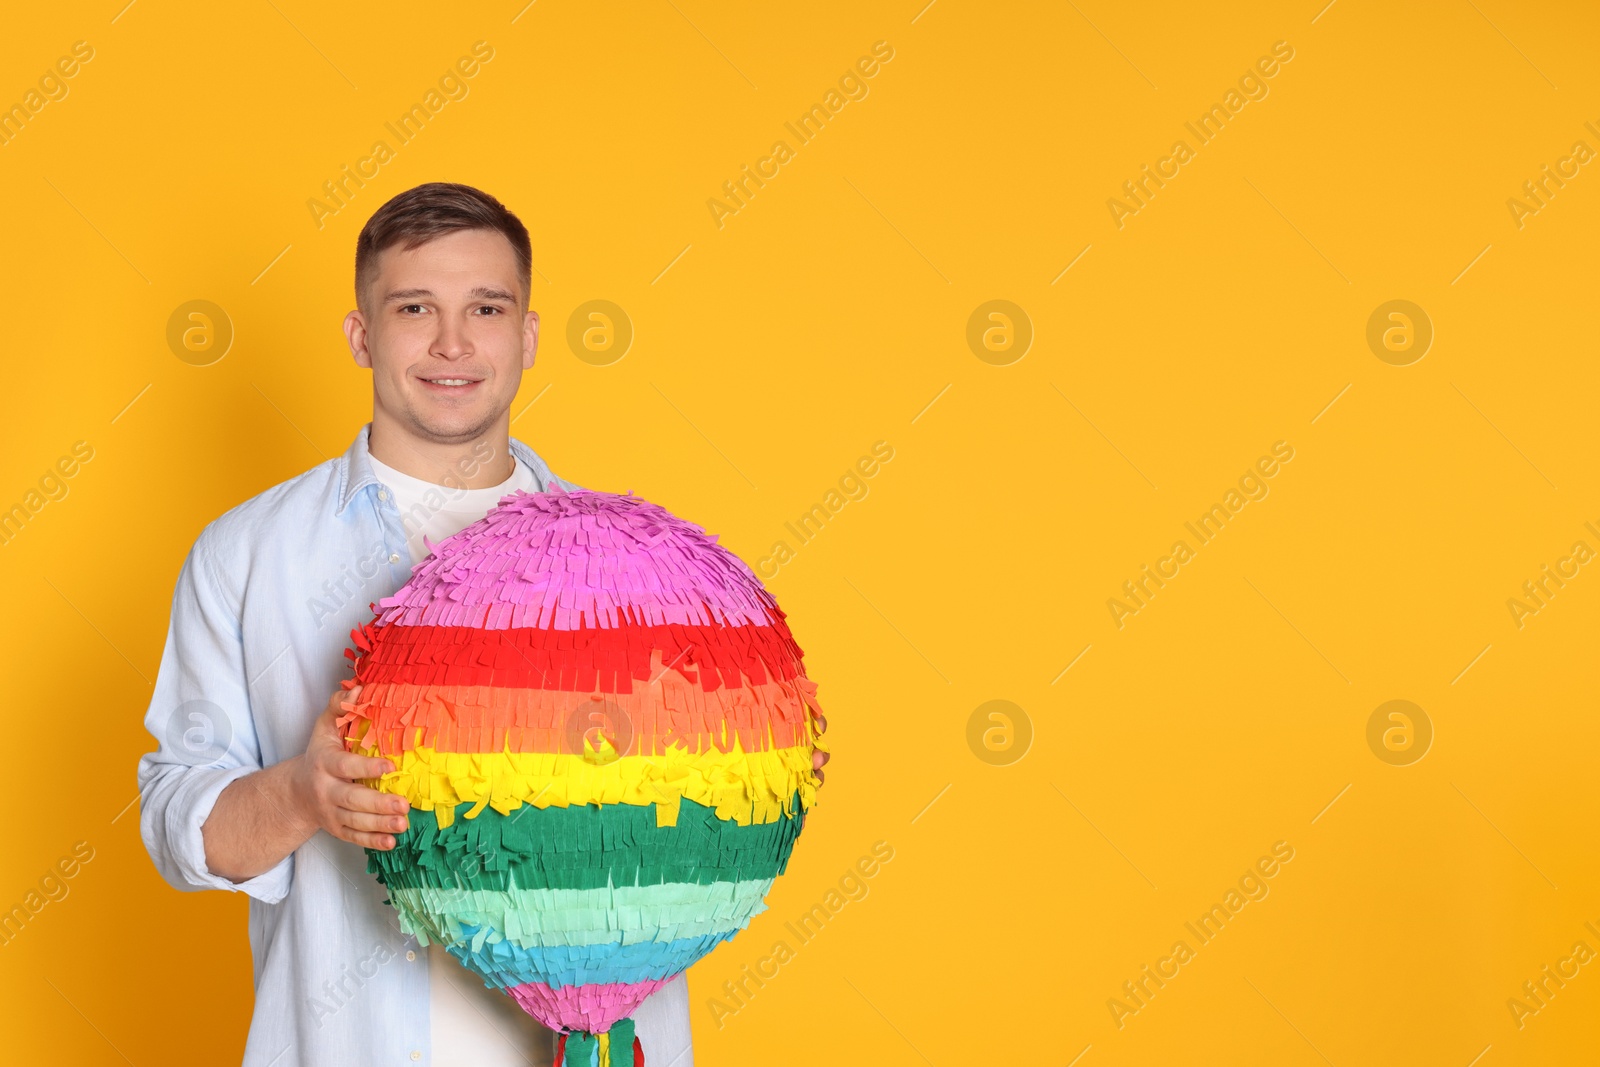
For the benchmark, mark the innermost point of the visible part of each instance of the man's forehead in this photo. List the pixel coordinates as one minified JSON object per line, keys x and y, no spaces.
{"x":475,"y":263}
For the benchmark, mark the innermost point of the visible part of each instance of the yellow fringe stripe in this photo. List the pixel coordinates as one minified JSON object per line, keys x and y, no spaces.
{"x":744,"y":787}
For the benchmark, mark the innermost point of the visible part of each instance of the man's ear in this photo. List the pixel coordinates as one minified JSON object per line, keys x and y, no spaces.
{"x":530,"y":338}
{"x":355,"y":332}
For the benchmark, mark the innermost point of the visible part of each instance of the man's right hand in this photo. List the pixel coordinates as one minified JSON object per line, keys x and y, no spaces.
{"x":330,"y":798}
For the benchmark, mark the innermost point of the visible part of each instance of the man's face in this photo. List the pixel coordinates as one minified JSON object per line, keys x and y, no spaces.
{"x":446,"y":311}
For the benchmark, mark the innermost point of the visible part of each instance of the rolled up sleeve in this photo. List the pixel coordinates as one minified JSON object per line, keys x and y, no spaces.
{"x":201,"y":720}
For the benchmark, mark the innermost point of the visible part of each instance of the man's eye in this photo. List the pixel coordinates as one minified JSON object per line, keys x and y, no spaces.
{"x":488,"y":307}
{"x":408,"y":307}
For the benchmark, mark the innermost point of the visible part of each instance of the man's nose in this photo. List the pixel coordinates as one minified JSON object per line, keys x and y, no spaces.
{"x":452,"y":340}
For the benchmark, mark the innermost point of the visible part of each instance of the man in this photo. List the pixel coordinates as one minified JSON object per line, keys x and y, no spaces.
{"x":251,"y":789}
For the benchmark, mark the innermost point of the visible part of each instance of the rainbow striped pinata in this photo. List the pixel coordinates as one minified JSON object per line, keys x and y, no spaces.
{"x":605,"y":732}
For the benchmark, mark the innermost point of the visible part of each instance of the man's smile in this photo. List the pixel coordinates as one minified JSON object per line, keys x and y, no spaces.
{"x":451,"y":385}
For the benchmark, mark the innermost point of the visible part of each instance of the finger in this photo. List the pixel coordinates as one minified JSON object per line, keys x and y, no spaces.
{"x":819,"y":757}
{"x":326,"y":729}
{"x":822,"y":722}
{"x":382,"y":842}
{"x":366,"y":820}
{"x":361,"y":798}
{"x":350,"y":766}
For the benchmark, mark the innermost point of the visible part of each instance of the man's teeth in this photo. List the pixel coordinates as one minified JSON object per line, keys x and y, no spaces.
{"x":450,"y":381}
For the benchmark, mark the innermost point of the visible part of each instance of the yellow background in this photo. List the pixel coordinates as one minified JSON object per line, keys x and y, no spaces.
{"x":824,"y":316}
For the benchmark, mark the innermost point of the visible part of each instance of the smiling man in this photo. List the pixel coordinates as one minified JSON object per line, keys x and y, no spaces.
{"x":250,"y":789}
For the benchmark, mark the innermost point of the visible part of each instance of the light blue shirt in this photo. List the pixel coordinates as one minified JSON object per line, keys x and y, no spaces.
{"x":261,"y":616}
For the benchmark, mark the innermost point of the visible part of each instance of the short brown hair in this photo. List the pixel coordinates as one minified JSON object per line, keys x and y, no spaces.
{"x":424,"y":212}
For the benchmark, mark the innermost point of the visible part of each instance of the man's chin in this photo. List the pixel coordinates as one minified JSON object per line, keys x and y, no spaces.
{"x":452,"y":428}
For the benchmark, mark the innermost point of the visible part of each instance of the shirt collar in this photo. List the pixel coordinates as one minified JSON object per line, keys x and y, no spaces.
{"x":356,"y":473}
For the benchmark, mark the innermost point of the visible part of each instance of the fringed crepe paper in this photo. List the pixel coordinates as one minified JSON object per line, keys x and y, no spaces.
{"x":605,"y":732}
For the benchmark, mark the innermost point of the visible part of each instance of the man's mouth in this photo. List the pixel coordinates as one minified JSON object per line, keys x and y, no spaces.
{"x":447,"y":386}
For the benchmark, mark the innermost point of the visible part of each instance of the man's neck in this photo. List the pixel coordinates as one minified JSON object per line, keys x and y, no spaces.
{"x":481,"y":463}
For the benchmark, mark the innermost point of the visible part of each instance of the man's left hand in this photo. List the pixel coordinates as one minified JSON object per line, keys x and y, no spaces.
{"x":819,"y":757}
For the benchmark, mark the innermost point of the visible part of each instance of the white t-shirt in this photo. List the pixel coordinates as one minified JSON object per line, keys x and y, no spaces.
{"x":473,"y":1025}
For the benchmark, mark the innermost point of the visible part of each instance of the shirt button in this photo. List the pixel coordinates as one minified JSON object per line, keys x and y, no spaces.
{"x":394,"y":557}
{"x":410,"y":955}
{"x":416,"y":1054}
{"x":383,"y":494}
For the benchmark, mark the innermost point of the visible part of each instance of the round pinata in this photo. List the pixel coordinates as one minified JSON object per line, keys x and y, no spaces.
{"x":605,"y":731}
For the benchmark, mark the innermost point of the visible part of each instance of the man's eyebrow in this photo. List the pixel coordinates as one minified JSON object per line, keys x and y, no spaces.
{"x":483,"y":292}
